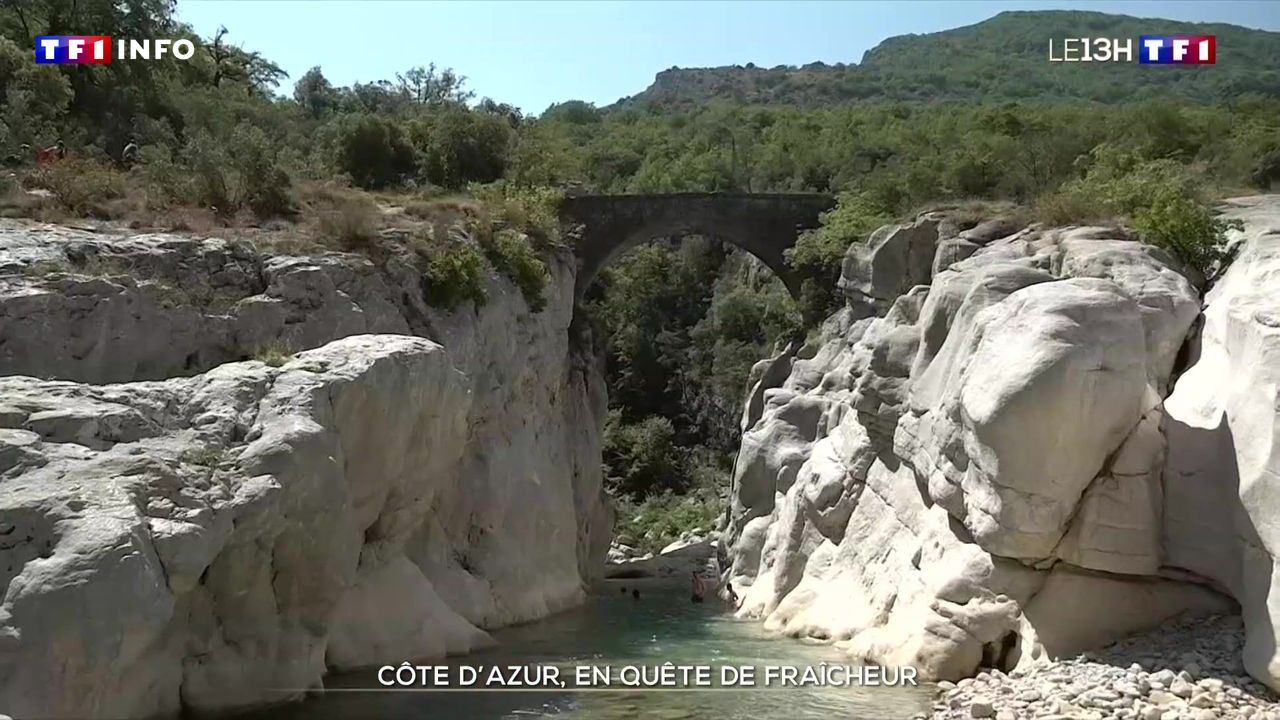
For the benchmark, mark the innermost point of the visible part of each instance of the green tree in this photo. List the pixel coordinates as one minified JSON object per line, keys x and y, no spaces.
{"x":374,"y":151}
{"x":35,"y":98}
{"x":426,"y":86}
{"x":461,"y":146}
{"x":642,"y":457}
{"x":314,"y":94}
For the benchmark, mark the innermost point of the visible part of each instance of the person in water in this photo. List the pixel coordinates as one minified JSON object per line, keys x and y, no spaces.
{"x":635,"y":594}
{"x":730,"y":595}
{"x":699,"y":588}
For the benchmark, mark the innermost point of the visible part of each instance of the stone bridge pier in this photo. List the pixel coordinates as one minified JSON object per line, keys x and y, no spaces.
{"x":763,"y":224}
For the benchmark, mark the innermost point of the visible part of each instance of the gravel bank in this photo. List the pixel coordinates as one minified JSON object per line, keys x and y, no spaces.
{"x":1188,"y":669}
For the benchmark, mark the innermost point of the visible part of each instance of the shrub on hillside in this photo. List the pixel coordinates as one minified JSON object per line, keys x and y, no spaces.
{"x":222,"y":175}
{"x":78,"y":185}
{"x":274,"y":354}
{"x":452,"y":270}
{"x":164,"y":181}
{"x":1266,"y":171}
{"x":653,"y":520}
{"x":452,"y":207}
{"x":350,"y":222}
{"x":262,"y":185}
{"x":267,"y":192}
{"x":642,"y":458}
{"x":744,"y":320}
{"x":33,"y":97}
{"x":510,"y":253}
{"x":531,"y":209}
{"x":658,"y":520}
{"x":1187,"y":229}
{"x":210,"y":185}
{"x":1159,"y":197}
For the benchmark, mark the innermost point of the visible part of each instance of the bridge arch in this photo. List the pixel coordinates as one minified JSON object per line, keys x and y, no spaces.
{"x":763,"y":224}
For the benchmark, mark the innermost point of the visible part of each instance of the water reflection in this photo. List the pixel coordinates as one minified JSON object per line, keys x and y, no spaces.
{"x":615,"y":629}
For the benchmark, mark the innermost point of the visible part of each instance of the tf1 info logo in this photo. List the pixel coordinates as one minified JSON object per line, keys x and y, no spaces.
{"x":96,"y":49}
{"x":1152,"y":50}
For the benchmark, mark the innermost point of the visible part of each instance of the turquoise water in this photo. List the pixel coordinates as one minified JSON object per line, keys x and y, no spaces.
{"x":614,"y":629}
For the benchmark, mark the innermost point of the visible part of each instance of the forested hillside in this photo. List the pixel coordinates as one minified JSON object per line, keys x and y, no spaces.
{"x":1005,"y":58}
{"x":230,"y":145}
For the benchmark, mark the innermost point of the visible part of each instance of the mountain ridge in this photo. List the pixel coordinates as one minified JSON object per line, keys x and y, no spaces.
{"x":1004,"y":57}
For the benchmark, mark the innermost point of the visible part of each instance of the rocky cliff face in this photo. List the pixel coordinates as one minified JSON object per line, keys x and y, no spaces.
{"x":201,"y":542}
{"x":979,"y":462}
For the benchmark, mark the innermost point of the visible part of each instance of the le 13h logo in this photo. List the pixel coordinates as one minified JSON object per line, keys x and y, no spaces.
{"x":96,"y":49}
{"x":1151,"y":50}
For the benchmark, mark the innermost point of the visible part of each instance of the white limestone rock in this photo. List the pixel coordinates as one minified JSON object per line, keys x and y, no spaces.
{"x":894,"y":259}
{"x":941,"y":485}
{"x":1118,"y":520}
{"x":1222,"y":421}
{"x":268,"y":525}
{"x":97,"y":307}
{"x":192,"y":543}
{"x":1069,"y":350}
{"x":678,"y":558}
{"x":1156,"y":281}
{"x":393,"y":611}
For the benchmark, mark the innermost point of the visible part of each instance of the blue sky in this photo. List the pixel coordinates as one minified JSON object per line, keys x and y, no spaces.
{"x":531,"y":54}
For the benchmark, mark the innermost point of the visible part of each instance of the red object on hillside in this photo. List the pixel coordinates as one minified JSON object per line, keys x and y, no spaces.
{"x":44,"y":156}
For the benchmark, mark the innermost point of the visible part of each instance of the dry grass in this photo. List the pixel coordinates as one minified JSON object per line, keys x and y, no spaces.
{"x":332,"y":215}
{"x":21,"y":204}
{"x":275,"y":354}
{"x":57,"y":194}
{"x":351,"y":224}
{"x":80,"y":185}
{"x":1071,"y":208}
{"x":453,"y":238}
{"x":968,"y":213}
{"x":457,"y":208}
{"x":205,"y":456}
{"x":181,"y":220}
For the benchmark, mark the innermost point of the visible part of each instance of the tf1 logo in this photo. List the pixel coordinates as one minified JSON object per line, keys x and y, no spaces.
{"x":1178,"y":49}
{"x":96,"y":49}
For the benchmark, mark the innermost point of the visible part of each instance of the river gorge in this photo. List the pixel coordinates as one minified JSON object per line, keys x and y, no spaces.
{"x":1010,"y":445}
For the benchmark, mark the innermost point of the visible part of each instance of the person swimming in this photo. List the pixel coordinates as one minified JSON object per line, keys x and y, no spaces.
{"x":699,"y":588}
{"x":635,"y":594}
{"x":730,"y":595}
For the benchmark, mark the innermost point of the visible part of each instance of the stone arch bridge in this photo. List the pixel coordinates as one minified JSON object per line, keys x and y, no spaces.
{"x":763,"y":224}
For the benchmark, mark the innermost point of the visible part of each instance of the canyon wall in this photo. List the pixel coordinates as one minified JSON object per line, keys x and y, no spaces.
{"x":1015,"y":443}
{"x":183,"y":527}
